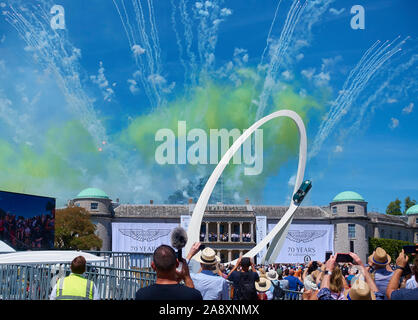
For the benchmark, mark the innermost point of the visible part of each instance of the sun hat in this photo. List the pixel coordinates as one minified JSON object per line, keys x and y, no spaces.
{"x":263,"y":285}
{"x":272,"y":275}
{"x":208,"y":256}
{"x":360,"y":290}
{"x":380,"y":257}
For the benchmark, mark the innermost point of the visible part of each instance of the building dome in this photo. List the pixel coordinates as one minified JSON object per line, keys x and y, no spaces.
{"x":348,"y":196}
{"x":92,"y":193}
{"x":412,"y":210}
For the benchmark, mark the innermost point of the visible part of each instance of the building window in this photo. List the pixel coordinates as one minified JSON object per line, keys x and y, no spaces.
{"x":350,"y":208}
{"x":416,"y":220}
{"x":399,"y":235}
{"x":351,"y":246}
{"x":382,"y":233}
{"x":334,"y":209}
{"x":94,"y":206}
{"x":351,"y":230}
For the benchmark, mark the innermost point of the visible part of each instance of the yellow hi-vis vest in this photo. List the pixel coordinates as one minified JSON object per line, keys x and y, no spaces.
{"x":74,"y":287}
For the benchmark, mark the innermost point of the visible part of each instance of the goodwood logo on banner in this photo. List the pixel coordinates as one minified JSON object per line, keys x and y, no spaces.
{"x":145,"y":235}
{"x":305,"y":235}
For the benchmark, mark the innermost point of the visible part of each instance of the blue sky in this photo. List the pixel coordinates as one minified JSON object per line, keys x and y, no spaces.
{"x":68,"y":98}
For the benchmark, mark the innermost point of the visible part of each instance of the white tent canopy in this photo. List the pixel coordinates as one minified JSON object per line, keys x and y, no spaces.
{"x":5,"y":248}
{"x":46,"y":257}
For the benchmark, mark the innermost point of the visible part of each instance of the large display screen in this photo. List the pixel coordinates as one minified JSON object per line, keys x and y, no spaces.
{"x":27,"y":221}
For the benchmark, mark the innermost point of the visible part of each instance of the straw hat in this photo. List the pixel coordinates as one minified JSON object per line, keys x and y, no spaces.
{"x":380,"y":257}
{"x":208,"y":256}
{"x":262,"y":272}
{"x":360,"y":290}
{"x":263,"y":285}
{"x":272,"y":275}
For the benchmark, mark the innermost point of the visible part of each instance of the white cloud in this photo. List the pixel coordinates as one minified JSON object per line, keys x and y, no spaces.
{"x":336,"y":12}
{"x":408,"y":109}
{"x":226,"y":12}
{"x":394,"y":123}
{"x":133,"y":86}
{"x":391,"y":100}
{"x":308,"y":73}
{"x":156,"y":79}
{"x":137,"y":50}
{"x":338,"y":149}
{"x":3,"y":38}
{"x":287,"y":75}
{"x":300,"y":56}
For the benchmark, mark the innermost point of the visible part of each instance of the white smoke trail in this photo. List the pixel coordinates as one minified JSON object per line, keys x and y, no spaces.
{"x":55,"y":53}
{"x":148,"y":58}
{"x":358,"y":78}
{"x":368,"y":104}
{"x":277,"y":51}
{"x":269,"y":34}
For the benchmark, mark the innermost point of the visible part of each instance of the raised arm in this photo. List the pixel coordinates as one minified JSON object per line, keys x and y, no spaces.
{"x":393,"y":285}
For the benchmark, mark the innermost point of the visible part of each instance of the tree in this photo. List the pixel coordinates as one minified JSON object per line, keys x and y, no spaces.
{"x":391,"y":246}
{"x":74,"y":230}
{"x":409,"y":203}
{"x":394,"y":208}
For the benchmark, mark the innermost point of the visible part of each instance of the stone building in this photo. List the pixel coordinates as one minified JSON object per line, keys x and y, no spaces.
{"x":231,"y":228}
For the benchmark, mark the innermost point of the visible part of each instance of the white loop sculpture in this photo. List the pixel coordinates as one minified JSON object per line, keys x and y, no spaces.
{"x":277,"y":235}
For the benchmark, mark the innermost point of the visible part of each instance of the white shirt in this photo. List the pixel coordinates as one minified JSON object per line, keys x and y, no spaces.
{"x":211,"y":286}
{"x":411,"y":283}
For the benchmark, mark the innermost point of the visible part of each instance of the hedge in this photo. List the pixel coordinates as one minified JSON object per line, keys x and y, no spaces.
{"x":391,"y":246}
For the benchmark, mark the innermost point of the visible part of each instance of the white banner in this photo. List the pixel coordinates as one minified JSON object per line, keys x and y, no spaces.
{"x":260,"y":233}
{"x":306,"y":242}
{"x":141,"y":237}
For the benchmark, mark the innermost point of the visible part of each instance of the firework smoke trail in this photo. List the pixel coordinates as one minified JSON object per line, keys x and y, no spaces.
{"x":146,"y":50}
{"x":392,"y":75}
{"x":191,"y":68}
{"x":52,"y":50}
{"x":268,"y":36}
{"x":277,"y":51}
{"x":354,"y":84}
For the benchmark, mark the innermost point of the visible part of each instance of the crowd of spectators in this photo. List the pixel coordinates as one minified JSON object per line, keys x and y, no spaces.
{"x":379,"y":279}
{"x":224,"y":237}
{"x":27,"y":233}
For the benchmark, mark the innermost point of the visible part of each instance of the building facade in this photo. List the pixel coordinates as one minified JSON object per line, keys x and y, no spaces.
{"x":230,"y":229}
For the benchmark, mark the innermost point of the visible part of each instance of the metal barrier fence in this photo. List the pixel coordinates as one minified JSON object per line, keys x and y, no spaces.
{"x":35,"y":282}
{"x":292,"y":295}
{"x":124,"y":260}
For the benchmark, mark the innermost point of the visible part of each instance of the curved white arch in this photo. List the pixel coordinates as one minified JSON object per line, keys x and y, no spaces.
{"x":275,"y":236}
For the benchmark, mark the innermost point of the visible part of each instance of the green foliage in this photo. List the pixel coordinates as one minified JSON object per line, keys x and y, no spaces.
{"x":394,"y":208}
{"x":74,"y":230}
{"x":391,"y":246}
{"x":409,"y":203}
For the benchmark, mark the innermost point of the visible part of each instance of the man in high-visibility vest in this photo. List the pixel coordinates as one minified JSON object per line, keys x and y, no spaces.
{"x":75,"y":286}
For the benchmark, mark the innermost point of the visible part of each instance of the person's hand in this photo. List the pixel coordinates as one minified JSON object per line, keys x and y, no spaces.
{"x":193,"y":250}
{"x":356,"y":259}
{"x":184,"y":273}
{"x":330,"y":264}
{"x":402,"y":260}
{"x":239,"y":261}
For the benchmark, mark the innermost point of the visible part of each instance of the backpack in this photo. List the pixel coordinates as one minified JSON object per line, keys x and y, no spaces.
{"x":278,"y":292}
{"x":246,"y":287}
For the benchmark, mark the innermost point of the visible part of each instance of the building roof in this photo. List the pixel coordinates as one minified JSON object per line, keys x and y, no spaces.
{"x":92,"y":193}
{"x":348,"y":196}
{"x":412,"y":210}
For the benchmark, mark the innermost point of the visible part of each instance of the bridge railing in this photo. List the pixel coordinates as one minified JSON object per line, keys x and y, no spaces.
{"x":35,"y":282}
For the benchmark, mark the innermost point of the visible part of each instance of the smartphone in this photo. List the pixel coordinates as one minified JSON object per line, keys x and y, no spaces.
{"x":344,"y":257}
{"x":410,"y":249}
{"x":328,"y":255}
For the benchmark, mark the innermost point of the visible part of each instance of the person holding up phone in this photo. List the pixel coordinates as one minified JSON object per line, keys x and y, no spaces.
{"x":393,"y":292}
